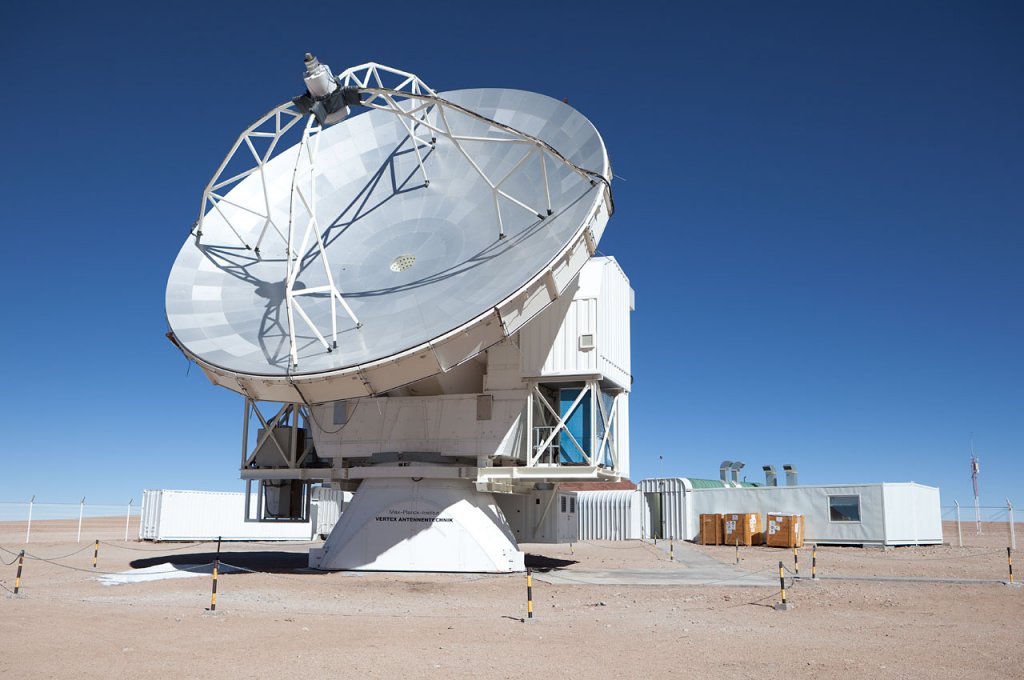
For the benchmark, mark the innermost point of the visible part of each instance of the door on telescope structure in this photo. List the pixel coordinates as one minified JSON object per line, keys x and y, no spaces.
{"x":567,"y":528}
{"x":657,"y":508}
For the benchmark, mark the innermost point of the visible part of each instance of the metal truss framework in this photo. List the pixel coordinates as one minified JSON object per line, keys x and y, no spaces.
{"x":546,"y":426}
{"x":424,"y":115}
{"x":292,"y":418}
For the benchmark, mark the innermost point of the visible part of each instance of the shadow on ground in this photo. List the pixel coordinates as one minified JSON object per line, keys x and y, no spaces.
{"x":546,"y":564}
{"x":290,"y":562}
{"x":269,"y":561}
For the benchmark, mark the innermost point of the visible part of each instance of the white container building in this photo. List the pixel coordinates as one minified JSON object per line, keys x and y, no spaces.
{"x":859,"y":514}
{"x":174,"y":515}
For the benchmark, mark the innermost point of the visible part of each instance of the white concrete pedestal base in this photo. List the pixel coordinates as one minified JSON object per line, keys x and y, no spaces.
{"x":427,"y":525}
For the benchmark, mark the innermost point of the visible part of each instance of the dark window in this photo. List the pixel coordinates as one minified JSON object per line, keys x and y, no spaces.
{"x":563,"y":503}
{"x":844,"y":508}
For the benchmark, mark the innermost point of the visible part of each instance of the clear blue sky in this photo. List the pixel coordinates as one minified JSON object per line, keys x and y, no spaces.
{"x":819,"y":206}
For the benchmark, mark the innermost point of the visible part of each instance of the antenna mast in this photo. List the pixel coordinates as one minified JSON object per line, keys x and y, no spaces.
{"x":974,"y":482}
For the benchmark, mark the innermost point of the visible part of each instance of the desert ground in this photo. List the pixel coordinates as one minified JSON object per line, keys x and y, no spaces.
{"x":942,"y":611}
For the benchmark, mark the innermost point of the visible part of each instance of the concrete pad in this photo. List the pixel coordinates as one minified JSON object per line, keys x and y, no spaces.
{"x":658,"y":577}
{"x":689,"y":568}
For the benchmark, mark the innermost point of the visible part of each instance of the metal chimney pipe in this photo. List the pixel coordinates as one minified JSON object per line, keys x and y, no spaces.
{"x":770,"y":478}
{"x":736,"y":467}
{"x":790,"y":474}
{"x":723,"y":470}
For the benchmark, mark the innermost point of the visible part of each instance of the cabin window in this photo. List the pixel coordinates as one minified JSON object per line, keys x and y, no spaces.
{"x":563,"y":503}
{"x":844,"y":508}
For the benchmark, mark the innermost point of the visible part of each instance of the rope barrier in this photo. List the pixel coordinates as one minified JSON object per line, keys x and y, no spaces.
{"x":148,"y":550}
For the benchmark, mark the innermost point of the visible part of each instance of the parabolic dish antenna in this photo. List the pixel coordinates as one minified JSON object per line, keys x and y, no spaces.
{"x":333,"y":261}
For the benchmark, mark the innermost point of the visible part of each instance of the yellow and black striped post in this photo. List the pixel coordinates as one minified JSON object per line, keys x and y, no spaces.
{"x":17,"y":579}
{"x":814,"y":561}
{"x":213,"y":595}
{"x":529,"y":594}
{"x":671,"y":552}
{"x":1009,"y":562}
{"x":782,"y":584}
{"x":796,"y":562}
{"x":737,"y":551}
{"x":96,"y":553}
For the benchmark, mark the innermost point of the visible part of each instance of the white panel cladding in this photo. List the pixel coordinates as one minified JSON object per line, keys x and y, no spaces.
{"x":611,"y":515}
{"x":170,"y":515}
{"x":542,"y":516}
{"x":622,"y":433}
{"x":586,"y":334}
{"x":445,"y":424}
{"x":616,"y":302}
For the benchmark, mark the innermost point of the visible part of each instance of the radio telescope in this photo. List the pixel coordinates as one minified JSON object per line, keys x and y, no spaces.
{"x":403,"y":286}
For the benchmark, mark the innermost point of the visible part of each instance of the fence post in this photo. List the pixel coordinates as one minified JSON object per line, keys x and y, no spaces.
{"x":814,"y":561}
{"x":96,"y":553}
{"x":21,"y":563}
{"x":796,"y":563}
{"x":1013,"y":533}
{"x":959,"y":534}
{"x":529,"y":593}
{"x":28,"y":530}
{"x":81,"y":511}
{"x":128,"y":518}
{"x":213,"y":594}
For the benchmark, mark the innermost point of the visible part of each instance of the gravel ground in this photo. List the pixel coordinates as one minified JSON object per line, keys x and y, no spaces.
{"x":65,"y":623}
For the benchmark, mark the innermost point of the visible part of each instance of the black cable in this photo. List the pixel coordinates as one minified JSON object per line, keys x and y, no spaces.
{"x":59,"y":557}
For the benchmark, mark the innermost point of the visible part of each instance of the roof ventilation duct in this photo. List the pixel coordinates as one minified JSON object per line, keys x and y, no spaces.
{"x":790,"y":474}
{"x":723,"y":470}
{"x":770,"y":479}
{"x":736,"y":467}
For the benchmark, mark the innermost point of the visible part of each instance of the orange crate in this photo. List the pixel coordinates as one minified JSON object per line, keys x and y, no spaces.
{"x":785,"y":531}
{"x":742,"y":529}
{"x":711,"y":529}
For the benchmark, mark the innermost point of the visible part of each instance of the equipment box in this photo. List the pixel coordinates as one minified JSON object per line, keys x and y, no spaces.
{"x":742,"y":529}
{"x":785,"y":531}
{"x":710,"y":529}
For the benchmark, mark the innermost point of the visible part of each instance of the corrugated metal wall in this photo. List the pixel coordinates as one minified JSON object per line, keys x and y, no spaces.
{"x":328,"y":504}
{"x":668,"y":502}
{"x":610,"y":515}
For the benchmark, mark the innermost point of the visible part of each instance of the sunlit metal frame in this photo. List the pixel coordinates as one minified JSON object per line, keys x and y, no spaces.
{"x":542,"y":416}
{"x":414,"y":103}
